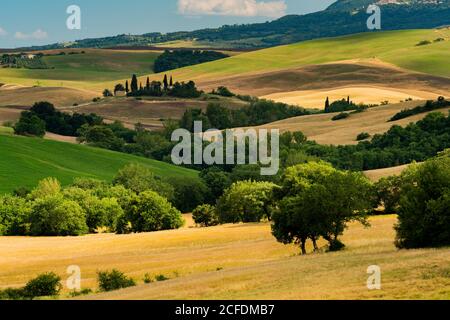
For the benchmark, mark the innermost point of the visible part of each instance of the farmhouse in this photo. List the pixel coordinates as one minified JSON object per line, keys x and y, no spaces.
{"x":27,"y":56}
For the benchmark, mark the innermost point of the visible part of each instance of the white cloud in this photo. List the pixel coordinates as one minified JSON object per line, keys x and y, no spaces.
{"x":37,"y":35}
{"x":3,"y":32}
{"x":242,"y":8}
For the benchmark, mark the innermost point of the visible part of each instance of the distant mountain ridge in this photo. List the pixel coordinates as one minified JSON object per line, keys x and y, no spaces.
{"x":341,"y":18}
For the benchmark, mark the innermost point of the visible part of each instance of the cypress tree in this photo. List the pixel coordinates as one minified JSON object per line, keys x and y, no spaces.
{"x":327,"y":105}
{"x":171,"y":81}
{"x":348,"y":99}
{"x":127,"y":88}
{"x":148,"y":83}
{"x":165,"y":82}
{"x":134,"y":84}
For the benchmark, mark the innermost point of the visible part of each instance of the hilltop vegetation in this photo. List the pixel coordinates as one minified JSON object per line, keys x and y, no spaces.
{"x":176,"y":59}
{"x":342,"y":18}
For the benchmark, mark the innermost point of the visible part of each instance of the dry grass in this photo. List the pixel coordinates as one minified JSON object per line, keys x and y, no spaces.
{"x":235,"y":262}
{"x":377,"y":174}
{"x":150,"y":112}
{"x":331,"y":76}
{"x":323,"y":130}
{"x":27,"y":96}
{"x":358,"y":94}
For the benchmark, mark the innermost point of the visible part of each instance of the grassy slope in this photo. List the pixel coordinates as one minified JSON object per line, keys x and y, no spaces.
{"x":397,"y":47}
{"x":79,"y":70}
{"x":267,"y":270}
{"x":25,"y":161}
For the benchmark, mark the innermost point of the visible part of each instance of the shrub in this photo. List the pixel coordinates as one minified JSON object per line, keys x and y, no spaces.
{"x":205,"y":216}
{"x":341,"y":116}
{"x":149,"y":212}
{"x":363,"y":136}
{"x":12,"y":294}
{"x":246,"y":201}
{"x":107,"y":93}
{"x":44,"y":285}
{"x":113,"y":280}
{"x":83,"y":292}
{"x":223,"y":91}
{"x":55,"y":216}
{"x":161,"y":277}
{"x":148,"y":279}
{"x":424,"y":215}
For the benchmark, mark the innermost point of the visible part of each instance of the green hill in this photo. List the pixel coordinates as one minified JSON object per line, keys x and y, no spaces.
{"x":91,"y":66}
{"x":25,"y":161}
{"x":399,"y":48}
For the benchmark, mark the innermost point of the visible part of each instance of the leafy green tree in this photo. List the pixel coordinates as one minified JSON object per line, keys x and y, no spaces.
{"x":388,"y":193}
{"x":424,"y":215}
{"x":205,"y":216}
{"x":138,"y":178}
{"x":218,"y":116}
{"x":217,"y":181}
{"x":14,"y":216}
{"x":100,"y":212}
{"x":316,"y":200}
{"x":246,"y":201}
{"x":101,"y":137}
{"x":189,"y":193}
{"x":149,"y":212}
{"x":55,"y":216}
{"x":46,"y":187}
{"x":30,"y":125}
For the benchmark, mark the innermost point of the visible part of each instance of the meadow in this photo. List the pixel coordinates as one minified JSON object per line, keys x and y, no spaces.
{"x":25,"y":161}
{"x":81,"y":69}
{"x":98,"y":69}
{"x":241,"y":261}
{"x":394,"y":47}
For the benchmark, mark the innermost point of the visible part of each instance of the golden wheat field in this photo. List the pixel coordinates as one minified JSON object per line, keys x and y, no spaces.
{"x":235,"y":262}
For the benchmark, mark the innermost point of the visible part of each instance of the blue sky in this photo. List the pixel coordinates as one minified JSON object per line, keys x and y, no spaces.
{"x":27,"y":22}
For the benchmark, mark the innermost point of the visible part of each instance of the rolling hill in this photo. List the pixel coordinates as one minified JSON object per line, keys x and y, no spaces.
{"x":207,"y":263}
{"x":81,"y":69}
{"x":322,"y":129}
{"x":25,"y":161}
{"x":398,"y":49}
